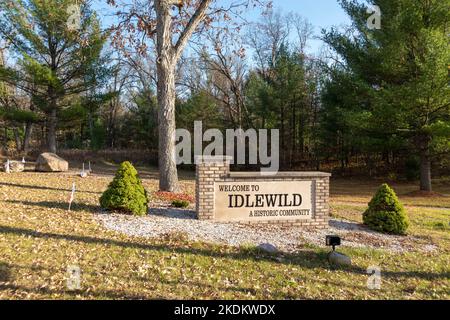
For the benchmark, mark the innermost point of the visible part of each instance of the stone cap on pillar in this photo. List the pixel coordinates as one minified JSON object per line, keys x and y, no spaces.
{"x":218,"y":160}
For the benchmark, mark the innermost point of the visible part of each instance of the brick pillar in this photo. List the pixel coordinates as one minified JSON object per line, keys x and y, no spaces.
{"x":208,"y":170}
{"x":322,"y":195}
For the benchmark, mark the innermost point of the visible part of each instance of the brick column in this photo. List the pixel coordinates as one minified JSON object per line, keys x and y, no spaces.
{"x":322,"y":194}
{"x":208,"y":170}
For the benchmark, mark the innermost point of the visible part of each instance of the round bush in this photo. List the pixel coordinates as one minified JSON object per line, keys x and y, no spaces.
{"x":386,"y":213}
{"x":126,"y":193}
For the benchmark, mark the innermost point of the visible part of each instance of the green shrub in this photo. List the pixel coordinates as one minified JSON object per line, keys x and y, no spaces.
{"x":180,"y":203}
{"x":386,"y":213}
{"x":126,"y":193}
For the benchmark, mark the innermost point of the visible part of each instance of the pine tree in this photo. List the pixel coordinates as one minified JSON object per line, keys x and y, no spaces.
{"x":398,"y":75}
{"x":55,"y":61}
{"x":126,"y":193}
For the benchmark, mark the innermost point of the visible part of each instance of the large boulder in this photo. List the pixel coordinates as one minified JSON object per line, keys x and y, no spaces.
{"x":50,"y":162}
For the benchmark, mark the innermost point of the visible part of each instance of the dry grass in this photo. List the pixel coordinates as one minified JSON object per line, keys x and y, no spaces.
{"x":359,"y":191}
{"x":39,"y":238}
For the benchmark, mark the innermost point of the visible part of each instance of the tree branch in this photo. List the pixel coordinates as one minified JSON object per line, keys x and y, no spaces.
{"x":192,"y":25}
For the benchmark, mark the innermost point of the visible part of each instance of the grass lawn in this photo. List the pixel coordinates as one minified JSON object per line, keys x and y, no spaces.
{"x":39,"y":239}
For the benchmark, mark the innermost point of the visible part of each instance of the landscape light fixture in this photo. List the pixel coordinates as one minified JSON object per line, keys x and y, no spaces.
{"x":333,"y":241}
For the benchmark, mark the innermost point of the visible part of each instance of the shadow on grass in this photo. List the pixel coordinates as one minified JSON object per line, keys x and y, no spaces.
{"x":26,"y":186}
{"x":306,"y":259}
{"x":76,"y":206}
{"x":5,"y":276}
{"x":114,"y":294}
{"x":5,"y":272}
{"x":217,"y":289}
{"x":110,"y":294}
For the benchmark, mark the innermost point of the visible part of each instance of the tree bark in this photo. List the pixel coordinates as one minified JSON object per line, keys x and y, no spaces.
{"x":51,"y":131}
{"x":27,"y":137}
{"x":423,"y":141}
{"x":425,"y":171}
{"x":168,"y":56}
{"x":111,"y":125}
{"x":91,"y":129}
{"x":17,"y":139}
{"x":166,"y":64}
{"x":166,"y":123}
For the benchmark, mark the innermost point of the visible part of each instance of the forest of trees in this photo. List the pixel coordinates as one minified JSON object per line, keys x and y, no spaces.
{"x":371,"y":102}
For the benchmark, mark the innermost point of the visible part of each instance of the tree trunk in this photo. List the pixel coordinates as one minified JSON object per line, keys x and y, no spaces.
{"x":51,"y":131}
{"x":283,"y":140}
{"x":168,"y":55}
{"x":17,"y":139}
{"x":423,"y":141}
{"x":43,"y":136}
{"x":166,"y":64}
{"x":111,"y":125}
{"x":27,"y":137}
{"x":91,"y":129}
{"x":425,"y":171}
{"x":293,"y":136}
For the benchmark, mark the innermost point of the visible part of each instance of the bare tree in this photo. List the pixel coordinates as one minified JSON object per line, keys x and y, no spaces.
{"x":266,"y":39}
{"x":172,"y":24}
{"x":121,"y":79}
{"x":228,"y":71}
{"x":303,"y":31}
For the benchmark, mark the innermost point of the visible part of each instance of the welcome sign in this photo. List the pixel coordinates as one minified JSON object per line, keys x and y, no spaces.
{"x":263,"y":201}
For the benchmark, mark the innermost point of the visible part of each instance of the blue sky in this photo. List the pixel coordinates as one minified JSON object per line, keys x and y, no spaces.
{"x":320,"y":13}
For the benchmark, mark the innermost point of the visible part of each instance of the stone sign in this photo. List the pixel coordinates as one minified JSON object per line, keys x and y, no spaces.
{"x":263,"y":201}
{"x":298,"y":199}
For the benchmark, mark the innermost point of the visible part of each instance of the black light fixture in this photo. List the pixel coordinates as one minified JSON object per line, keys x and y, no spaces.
{"x":333,"y":241}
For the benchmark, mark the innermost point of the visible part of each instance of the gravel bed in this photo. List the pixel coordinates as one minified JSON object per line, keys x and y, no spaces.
{"x":164,"y":221}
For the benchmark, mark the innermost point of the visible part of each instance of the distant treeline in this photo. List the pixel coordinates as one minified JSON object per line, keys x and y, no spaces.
{"x":374,"y":102}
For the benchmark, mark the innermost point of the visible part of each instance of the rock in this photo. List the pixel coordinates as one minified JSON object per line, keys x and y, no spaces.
{"x":267,"y":247}
{"x":50,"y":162}
{"x":16,"y":166}
{"x":338,"y":259}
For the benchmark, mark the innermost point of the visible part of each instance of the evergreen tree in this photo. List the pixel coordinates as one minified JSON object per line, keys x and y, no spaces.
{"x":54,"y":54}
{"x":386,"y":213}
{"x":278,"y":98}
{"x":126,"y":193}
{"x":399,"y":74}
